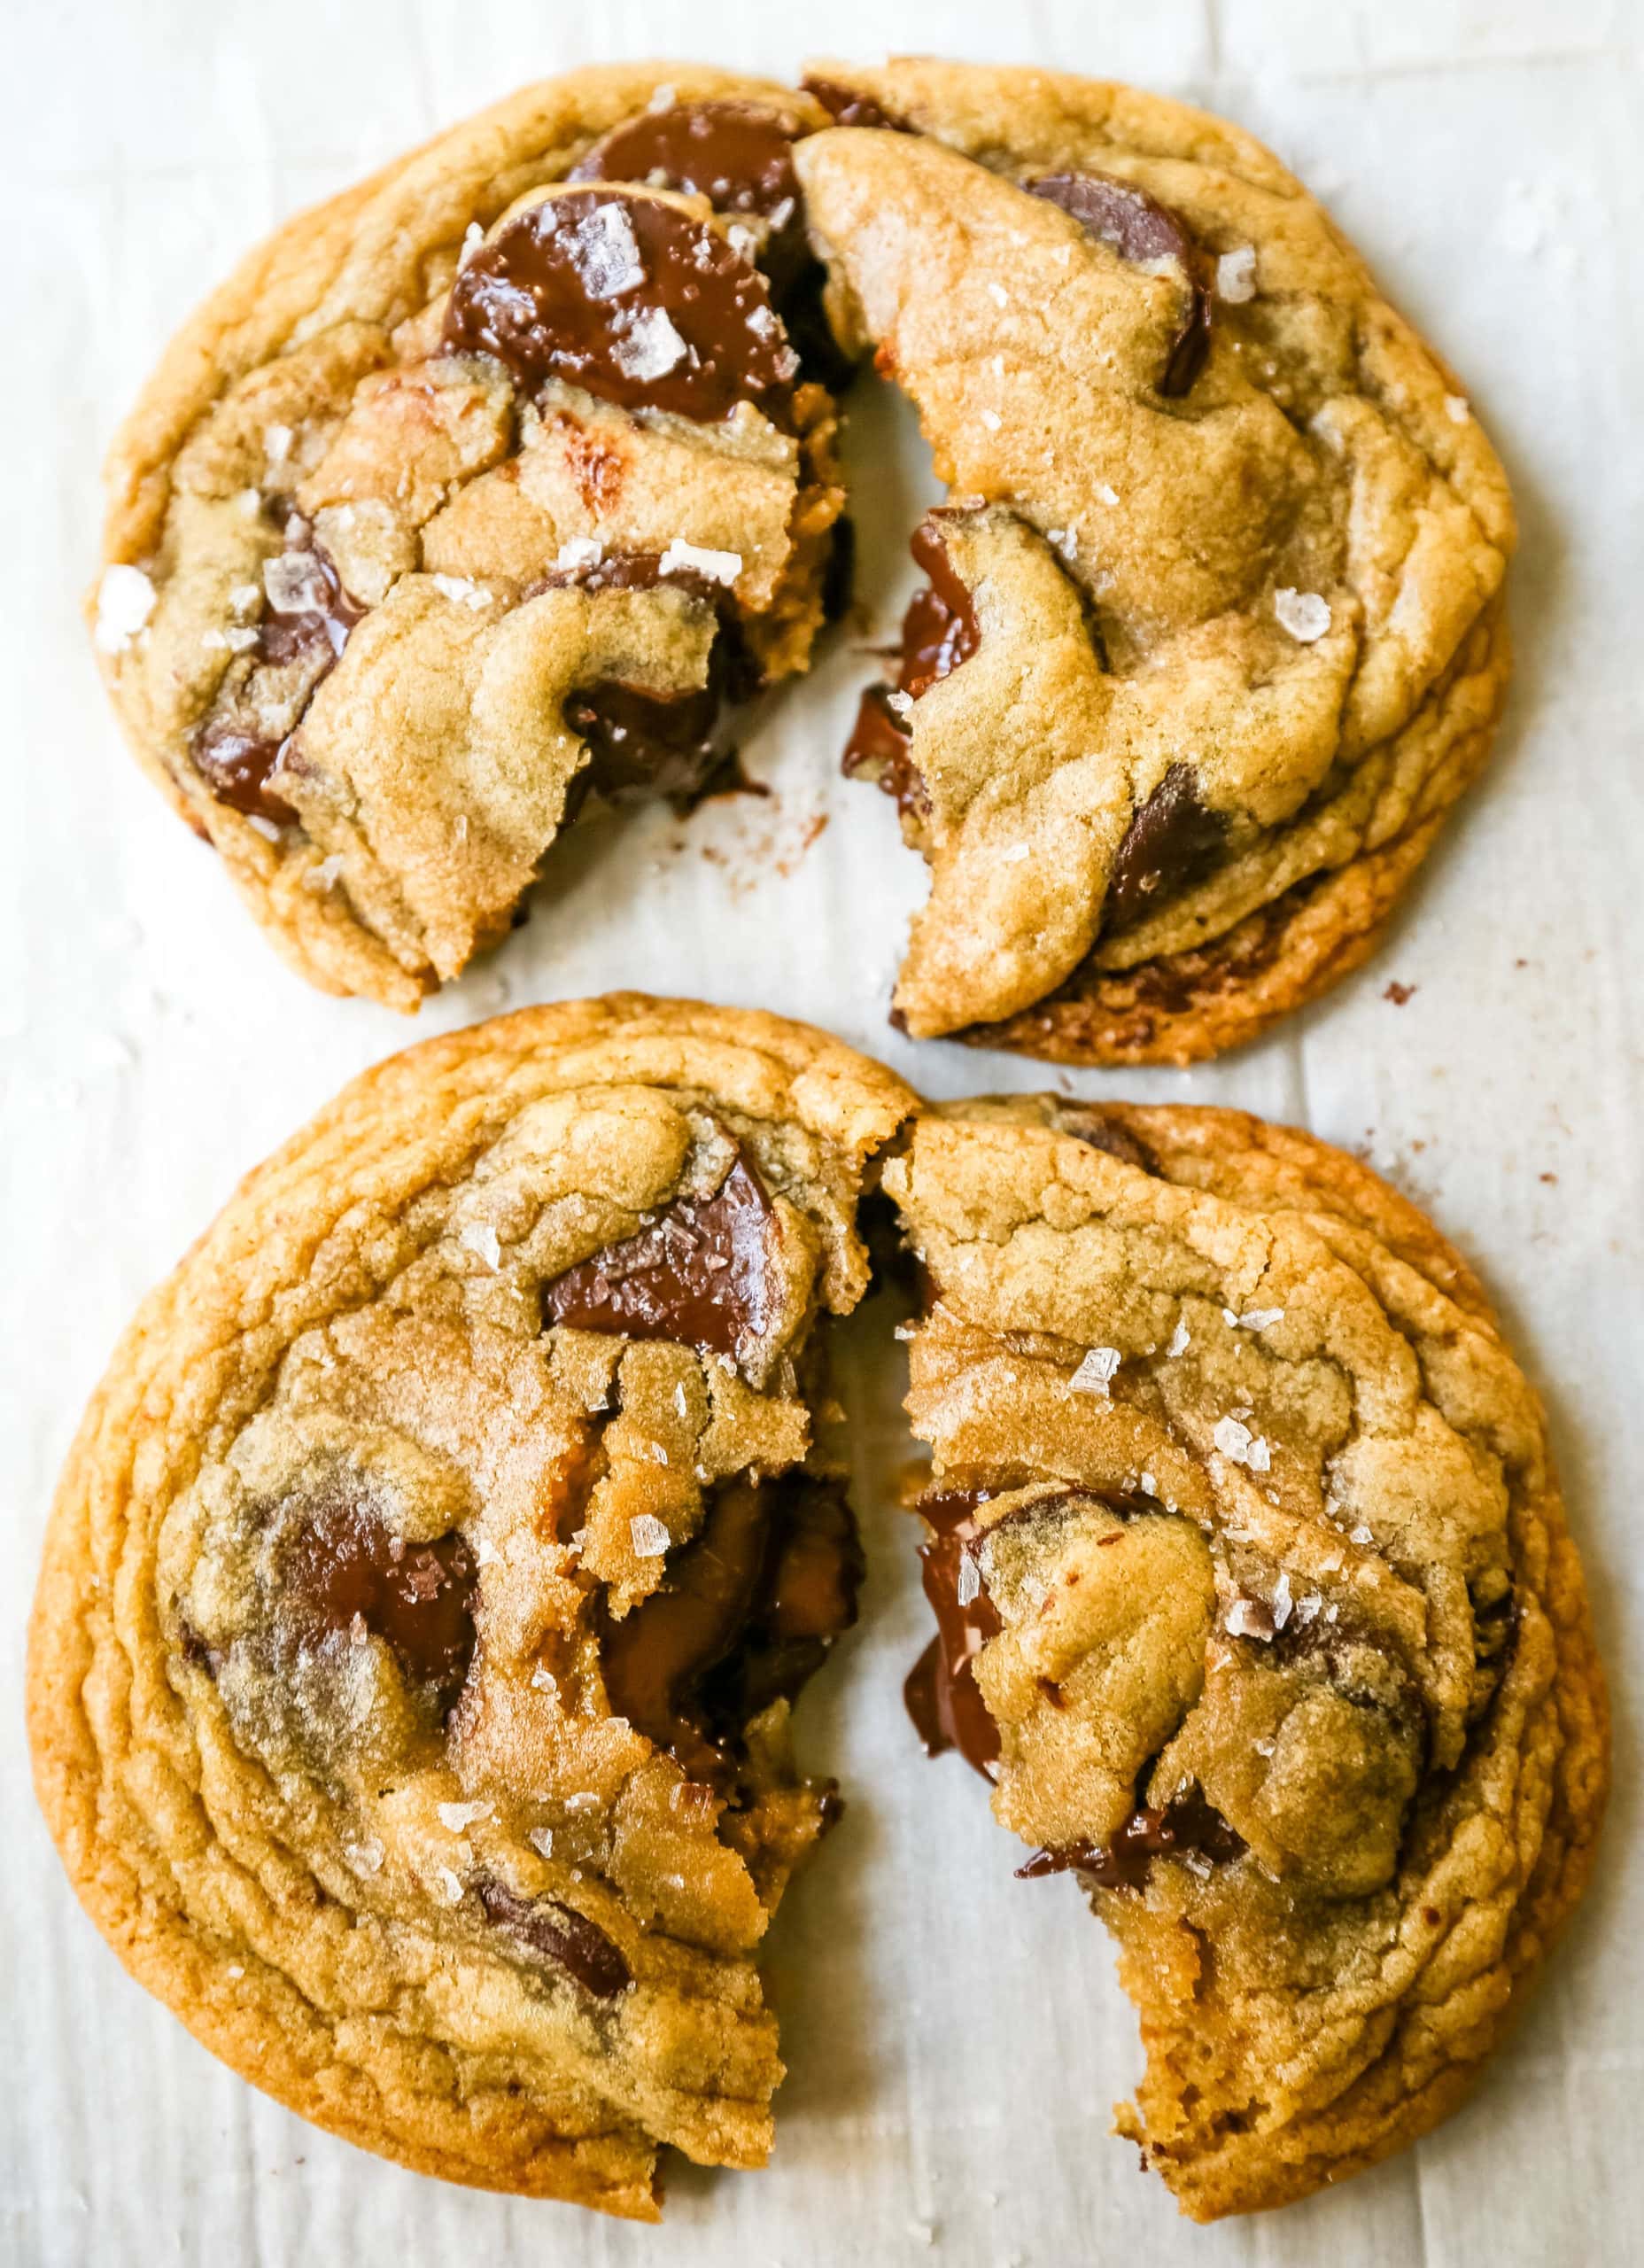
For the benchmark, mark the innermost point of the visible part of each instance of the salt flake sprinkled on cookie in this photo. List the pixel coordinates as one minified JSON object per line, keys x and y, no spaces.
{"x":1257,"y":1318}
{"x":276,"y":443}
{"x":579,"y":551}
{"x":1457,"y":408}
{"x":651,"y":346}
{"x":607,"y":255}
{"x":1180,"y":1339}
{"x":479,"y":1238}
{"x":450,"y":1885}
{"x":719,"y":566}
{"x":969,"y":1584}
{"x":1236,"y":275}
{"x":1303,"y":613}
{"x":460,"y":592}
{"x":1096,"y":1373}
{"x":458,"y":1817}
{"x":541,"y":1841}
{"x":1249,"y":1618}
{"x":124,"y":601}
{"x":1240,"y":1445}
{"x":365,"y":1857}
{"x":295,"y":583}
{"x":651,"y":1539}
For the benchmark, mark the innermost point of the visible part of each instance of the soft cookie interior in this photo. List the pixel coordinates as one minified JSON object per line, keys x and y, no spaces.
{"x":426,"y":1597}
{"x":1212,"y":637}
{"x":1256,"y":1606}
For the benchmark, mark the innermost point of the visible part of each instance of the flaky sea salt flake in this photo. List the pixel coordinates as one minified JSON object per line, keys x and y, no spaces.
{"x":1236,"y":275}
{"x":607,"y":253}
{"x":450,"y":1885}
{"x":124,"y":601}
{"x":1303,"y":613}
{"x":479,"y":1238}
{"x":651,"y":1539}
{"x":579,"y":551}
{"x":541,"y":1841}
{"x":650,"y":346}
{"x":969,"y":1584}
{"x":461,"y":592}
{"x":1096,"y":1373}
{"x":719,"y":566}
{"x":459,"y":1817}
{"x":1181,"y":1340}
{"x":1457,"y":408}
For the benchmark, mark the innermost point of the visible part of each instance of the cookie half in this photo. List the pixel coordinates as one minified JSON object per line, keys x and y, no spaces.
{"x":476,"y":491}
{"x":1213,"y":635}
{"x":429,"y":1583}
{"x":1257,"y":1605}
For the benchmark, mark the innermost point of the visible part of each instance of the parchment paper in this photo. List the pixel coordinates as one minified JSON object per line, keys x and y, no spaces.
{"x":954,"y":2038}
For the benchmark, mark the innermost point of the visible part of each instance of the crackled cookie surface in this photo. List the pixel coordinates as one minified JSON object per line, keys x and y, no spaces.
{"x":1212,"y":636}
{"x":478,"y":489}
{"x":1256,"y":1603}
{"x":429,"y":1584}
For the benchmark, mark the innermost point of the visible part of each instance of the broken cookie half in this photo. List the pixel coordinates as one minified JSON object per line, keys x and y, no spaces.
{"x":1257,"y":1605}
{"x":429,"y":1586}
{"x":1212,"y":637}
{"x":477,"y":491}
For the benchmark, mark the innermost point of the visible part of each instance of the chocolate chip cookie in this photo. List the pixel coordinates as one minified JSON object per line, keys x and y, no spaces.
{"x":429,"y":1584}
{"x":1256,"y":1603}
{"x":1213,"y":634}
{"x":479,"y":490}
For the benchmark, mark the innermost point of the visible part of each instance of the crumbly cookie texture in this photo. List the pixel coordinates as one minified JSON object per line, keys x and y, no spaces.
{"x":1230,"y":539}
{"x":1257,"y":1603}
{"x":429,"y":1582}
{"x":471,"y":491}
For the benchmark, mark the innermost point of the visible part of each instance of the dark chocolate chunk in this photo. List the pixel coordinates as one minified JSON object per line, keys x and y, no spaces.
{"x":941,"y":1695}
{"x":305,"y":622}
{"x":1187,"y":1822}
{"x":697,"y":1274}
{"x":1087,"y":1121}
{"x":747,"y":1615}
{"x":1173,"y":840}
{"x":547,"y":1926}
{"x":939,"y":631}
{"x":417,"y":1598}
{"x":1141,"y":231}
{"x":739,"y":158}
{"x":628,"y":298}
{"x":643,"y":743}
{"x":846,"y":107}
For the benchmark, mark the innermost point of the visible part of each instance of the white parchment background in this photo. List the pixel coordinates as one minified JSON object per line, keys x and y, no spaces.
{"x":954,"y":2038}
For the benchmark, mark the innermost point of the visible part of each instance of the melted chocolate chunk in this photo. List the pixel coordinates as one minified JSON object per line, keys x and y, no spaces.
{"x":696,"y":1275}
{"x":1185,"y":1823}
{"x":941,"y":1694}
{"x":1087,"y":1121}
{"x":846,"y":107}
{"x":643,"y":744}
{"x":739,"y":158}
{"x":1141,"y":231}
{"x":628,"y":298}
{"x":417,"y":1598}
{"x":748,"y":1612}
{"x":879,"y":746}
{"x":939,"y":631}
{"x":305,"y":621}
{"x":547,"y":1926}
{"x":1173,"y":840}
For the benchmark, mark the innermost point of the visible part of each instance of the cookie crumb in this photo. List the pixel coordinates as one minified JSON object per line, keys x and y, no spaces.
{"x":719,"y":566}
